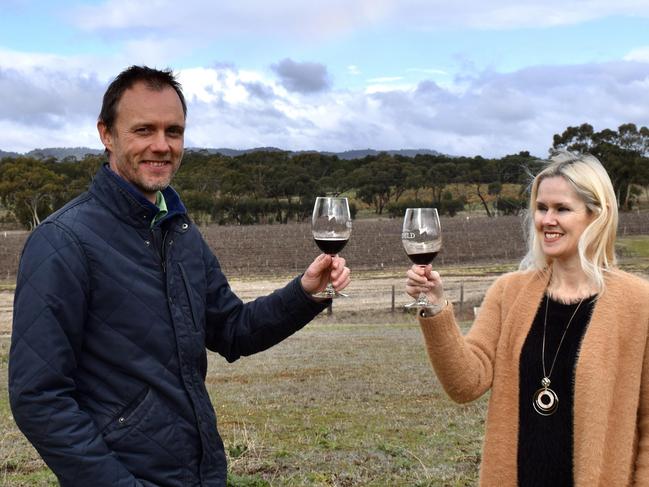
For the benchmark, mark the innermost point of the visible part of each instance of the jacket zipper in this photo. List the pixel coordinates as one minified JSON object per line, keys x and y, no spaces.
{"x":185,"y":280}
{"x":160,"y":247}
{"x":164,"y":251}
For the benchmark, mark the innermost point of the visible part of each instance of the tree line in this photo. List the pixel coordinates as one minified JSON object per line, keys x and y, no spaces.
{"x":278,"y":187}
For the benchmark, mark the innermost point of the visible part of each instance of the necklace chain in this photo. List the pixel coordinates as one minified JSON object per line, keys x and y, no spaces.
{"x":545,"y":400}
{"x":545,"y":324}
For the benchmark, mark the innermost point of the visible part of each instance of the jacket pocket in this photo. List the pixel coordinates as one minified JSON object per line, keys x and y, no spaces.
{"x":129,"y":416}
{"x":190,"y":301}
{"x":145,"y":437}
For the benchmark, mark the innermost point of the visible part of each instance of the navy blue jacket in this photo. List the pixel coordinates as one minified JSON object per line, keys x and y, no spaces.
{"x":108,"y":350}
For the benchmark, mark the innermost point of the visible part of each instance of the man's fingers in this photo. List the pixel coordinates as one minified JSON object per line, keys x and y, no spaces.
{"x":320,"y":263}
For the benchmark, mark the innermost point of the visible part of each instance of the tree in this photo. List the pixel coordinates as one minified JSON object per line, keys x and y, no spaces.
{"x":575,"y":138}
{"x":28,"y":188}
{"x":439,"y":176}
{"x":378,"y":181}
{"x":623,"y":153}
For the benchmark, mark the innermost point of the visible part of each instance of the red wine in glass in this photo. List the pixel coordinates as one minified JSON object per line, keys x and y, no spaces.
{"x":423,"y":258}
{"x":331,"y":226}
{"x":421,"y":237}
{"x":331,"y":246}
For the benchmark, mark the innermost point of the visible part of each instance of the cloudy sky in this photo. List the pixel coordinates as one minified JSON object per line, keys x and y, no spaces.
{"x":464,"y":77}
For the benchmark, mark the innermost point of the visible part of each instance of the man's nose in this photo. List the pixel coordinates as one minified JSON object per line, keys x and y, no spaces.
{"x":160,"y":142}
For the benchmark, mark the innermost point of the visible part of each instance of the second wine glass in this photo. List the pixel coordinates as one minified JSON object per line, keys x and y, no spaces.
{"x":331,"y":226}
{"x":422,"y":240}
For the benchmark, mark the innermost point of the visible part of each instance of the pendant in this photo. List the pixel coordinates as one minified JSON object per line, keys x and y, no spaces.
{"x":545,"y":400}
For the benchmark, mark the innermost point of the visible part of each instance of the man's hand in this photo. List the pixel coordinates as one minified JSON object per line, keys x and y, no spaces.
{"x":323,"y":269}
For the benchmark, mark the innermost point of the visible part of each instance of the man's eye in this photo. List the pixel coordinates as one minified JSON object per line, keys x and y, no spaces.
{"x":142,"y":130}
{"x":175,"y":132}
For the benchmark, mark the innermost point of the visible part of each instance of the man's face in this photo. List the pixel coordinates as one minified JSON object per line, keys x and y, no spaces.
{"x":146,"y":140}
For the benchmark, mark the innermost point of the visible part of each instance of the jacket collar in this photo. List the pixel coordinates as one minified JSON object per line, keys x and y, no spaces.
{"x":128,"y":203}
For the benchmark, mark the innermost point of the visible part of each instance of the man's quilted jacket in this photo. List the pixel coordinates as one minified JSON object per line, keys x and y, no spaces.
{"x":108,"y":353}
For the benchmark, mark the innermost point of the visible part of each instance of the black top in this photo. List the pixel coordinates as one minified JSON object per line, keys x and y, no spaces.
{"x":545,"y":442}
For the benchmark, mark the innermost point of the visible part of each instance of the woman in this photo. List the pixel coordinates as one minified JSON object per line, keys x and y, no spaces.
{"x":561,"y":344}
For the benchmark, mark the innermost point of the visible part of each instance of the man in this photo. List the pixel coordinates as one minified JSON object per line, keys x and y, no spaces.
{"x":117,"y":298}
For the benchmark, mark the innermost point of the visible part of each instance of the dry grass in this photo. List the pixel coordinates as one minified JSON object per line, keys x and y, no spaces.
{"x":340,"y":403}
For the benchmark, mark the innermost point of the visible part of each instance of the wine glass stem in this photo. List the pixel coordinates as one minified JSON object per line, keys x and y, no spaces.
{"x":422,"y":300}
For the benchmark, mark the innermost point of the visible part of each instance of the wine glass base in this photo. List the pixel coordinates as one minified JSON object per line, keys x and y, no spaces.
{"x":417,"y":305}
{"x":330,"y":295}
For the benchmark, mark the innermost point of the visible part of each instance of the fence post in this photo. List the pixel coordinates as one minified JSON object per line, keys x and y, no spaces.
{"x":461,"y":298}
{"x":392,"y":308}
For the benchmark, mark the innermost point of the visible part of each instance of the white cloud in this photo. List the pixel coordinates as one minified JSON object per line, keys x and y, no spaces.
{"x":218,"y":19}
{"x":353,"y":70}
{"x":432,"y":71}
{"x":485,"y":113}
{"x":495,"y":114}
{"x":34,"y":61}
{"x":509,"y":14}
{"x":152,"y":51}
{"x":385,"y":79}
{"x":640,"y":54}
{"x":331,"y":19}
{"x":20,"y":137}
{"x":47,"y":96}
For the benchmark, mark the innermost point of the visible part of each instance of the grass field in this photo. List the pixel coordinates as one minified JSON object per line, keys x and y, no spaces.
{"x":337,"y":404}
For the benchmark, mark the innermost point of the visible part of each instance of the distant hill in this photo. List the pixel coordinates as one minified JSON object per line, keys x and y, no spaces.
{"x":58,"y":153}
{"x":4,"y":154}
{"x":78,"y":153}
{"x":360,"y":153}
{"x":231,"y":152}
{"x":350,"y":154}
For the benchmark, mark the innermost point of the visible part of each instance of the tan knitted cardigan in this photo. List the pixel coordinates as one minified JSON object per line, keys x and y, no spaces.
{"x":611,"y":404}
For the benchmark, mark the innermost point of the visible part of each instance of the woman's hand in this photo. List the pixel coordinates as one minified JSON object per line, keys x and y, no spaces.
{"x":423,"y":279}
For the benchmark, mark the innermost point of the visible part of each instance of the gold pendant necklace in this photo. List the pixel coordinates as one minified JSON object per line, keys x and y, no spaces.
{"x":545,"y":400}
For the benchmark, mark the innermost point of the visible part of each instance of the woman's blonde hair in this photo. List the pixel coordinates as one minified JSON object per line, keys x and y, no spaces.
{"x":593,"y":185}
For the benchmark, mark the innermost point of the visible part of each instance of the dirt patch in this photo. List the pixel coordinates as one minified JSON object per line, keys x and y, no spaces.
{"x":371,"y":293}
{"x":370,"y":296}
{"x":6,"y":305}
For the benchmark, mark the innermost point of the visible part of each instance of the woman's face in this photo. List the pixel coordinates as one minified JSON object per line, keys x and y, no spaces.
{"x":560,"y":217}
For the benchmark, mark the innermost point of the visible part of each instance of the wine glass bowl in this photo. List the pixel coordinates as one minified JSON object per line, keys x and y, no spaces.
{"x":421,"y":237}
{"x":331,"y":226}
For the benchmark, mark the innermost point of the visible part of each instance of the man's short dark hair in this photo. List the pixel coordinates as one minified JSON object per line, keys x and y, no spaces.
{"x":154,"y":78}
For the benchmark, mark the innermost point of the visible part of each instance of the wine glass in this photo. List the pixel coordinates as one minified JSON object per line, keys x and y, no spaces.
{"x":331,"y":226}
{"x":422,"y":240}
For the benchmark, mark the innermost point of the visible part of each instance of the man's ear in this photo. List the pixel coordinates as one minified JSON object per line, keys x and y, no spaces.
{"x":105,"y":135}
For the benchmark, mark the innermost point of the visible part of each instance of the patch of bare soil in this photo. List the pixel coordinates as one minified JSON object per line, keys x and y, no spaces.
{"x":374,"y":297}
{"x":6,"y":304}
{"x":369,"y":296}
